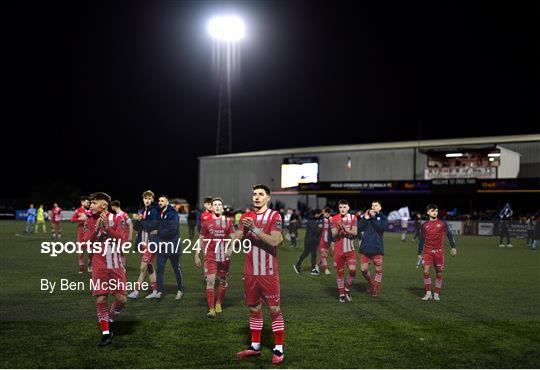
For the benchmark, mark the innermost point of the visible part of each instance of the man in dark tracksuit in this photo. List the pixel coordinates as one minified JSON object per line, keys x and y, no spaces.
{"x":372,"y":223}
{"x":504,"y":233}
{"x":169,"y":247}
{"x":311,"y":241}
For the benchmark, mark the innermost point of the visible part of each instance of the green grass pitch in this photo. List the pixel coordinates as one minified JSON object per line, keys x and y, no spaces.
{"x":489,"y":316}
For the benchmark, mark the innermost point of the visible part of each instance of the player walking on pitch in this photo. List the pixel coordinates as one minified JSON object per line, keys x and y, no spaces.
{"x":107,"y":264}
{"x":146,"y":226}
{"x":216,"y":240}
{"x":431,"y":250}
{"x":326,"y":236}
{"x":372,"y":223}
{"x":344,"y":229}
{"x":80,"y":216}
{"x":262,"y":227}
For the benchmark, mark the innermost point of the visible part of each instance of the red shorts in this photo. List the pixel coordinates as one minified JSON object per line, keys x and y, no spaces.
{"x":147,"y":257}
{"x":323,"y":246}
{"x":102,"y":276}
{"x":262,"y":288}
{"x":221,"y":268}
{"x":434,"y":257}
{"x":376,"y":259}
{"x":342,"y":259}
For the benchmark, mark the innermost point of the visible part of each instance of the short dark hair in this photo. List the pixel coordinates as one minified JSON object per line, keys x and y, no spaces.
{"x":207,"y":199}
{"x":343,"y":201}
{"x":100,"y":196}
{"x":262,"y":186}
{"x":164,"y":196}
{"x":316,"y":211}
{"x":328,"y":210}
{"x":115,"y":203}
{"x":431,"y":206}
{"x":83,"y":198}
{"x":217,"y":199}
{"x":376,"y":201}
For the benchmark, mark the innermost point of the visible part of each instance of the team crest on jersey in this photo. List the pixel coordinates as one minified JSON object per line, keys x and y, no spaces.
{"x":211,"y":231}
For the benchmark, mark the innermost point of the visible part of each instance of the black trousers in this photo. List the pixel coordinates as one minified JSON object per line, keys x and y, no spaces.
{"x":309,"y":249}
{"x":504,"y":234}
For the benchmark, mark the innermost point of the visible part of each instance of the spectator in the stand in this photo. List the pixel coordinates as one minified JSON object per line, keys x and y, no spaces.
{"x":192,"y":222}
{"x":530,"y":230}
{"x":536,"y":235}
{"x":237,"y":217}
{"x":294,"y":222}
{"x":504,"y":232}
{"x":417,"y":226}
{"x":468,"y":225}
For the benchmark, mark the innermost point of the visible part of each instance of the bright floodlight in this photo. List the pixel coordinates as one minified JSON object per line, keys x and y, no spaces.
{"x":229,"y":28}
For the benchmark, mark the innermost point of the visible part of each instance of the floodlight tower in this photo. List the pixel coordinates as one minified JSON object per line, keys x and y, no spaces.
{"x":227,"y":32}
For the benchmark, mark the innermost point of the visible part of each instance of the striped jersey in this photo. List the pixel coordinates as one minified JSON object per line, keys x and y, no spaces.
{"x":110,"y":254}
{"x":216,"y":233}
{"x":260,"y":261}
{"x":325,"y":230}
{"x":343,"y":243}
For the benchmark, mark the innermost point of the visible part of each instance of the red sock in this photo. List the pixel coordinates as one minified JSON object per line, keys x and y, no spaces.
{"x":377,"y":280}
{"x":210,"y":297}
{"x":367,"y":276}
{"x":278,"y":327}
{"x":438,"y":283}
{"x":103,"y":317}
{"x":221,"y":293}
{"x":340,"y":284}
{"x":350,"y":278}
{"x":153,"y":286}
{"x":324,"y":262}
{"x":427,"y":282}
{"x":256,"y":325}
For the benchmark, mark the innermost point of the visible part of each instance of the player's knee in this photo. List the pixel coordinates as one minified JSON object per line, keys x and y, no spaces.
{"x":275,"y":309}
{"x":122,"y":298}
{"x":256,"y":308}
{"x":144,"y":268}
{"x":101,"y":299}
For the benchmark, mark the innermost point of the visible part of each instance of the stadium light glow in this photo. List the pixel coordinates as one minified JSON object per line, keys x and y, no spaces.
{"x":491,"y":159}
{"x":228,"y":28}
{"x":454,"y":155}
{"x":494,"y":154}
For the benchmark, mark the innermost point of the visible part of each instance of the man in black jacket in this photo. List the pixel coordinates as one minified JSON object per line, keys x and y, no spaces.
{"x":311,"y":241}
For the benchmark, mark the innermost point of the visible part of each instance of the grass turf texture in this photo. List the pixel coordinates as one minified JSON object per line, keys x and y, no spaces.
{"x":489,"y":316}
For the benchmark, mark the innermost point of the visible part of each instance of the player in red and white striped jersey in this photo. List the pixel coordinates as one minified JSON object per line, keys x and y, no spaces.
{"x":80,"y":215}
{"x":325,"y":241}
{"x":56,"y":221}
{"x":207,"y":213}
{"x":107,"y":265}
{"x":124,"y":217}
{"x":344,"y":229}
{"x":216,"y":240}
{"x":262,"y":227}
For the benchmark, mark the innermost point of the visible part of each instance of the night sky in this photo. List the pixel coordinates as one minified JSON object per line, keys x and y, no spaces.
{"x":120,"y":96}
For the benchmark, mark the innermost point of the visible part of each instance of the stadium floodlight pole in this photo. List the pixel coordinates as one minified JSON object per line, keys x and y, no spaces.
{"x":226,"y":31}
